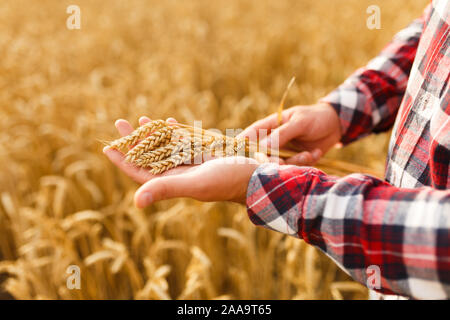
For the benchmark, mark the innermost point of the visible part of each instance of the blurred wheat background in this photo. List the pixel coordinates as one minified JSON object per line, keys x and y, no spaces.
{"x":226,"y":62}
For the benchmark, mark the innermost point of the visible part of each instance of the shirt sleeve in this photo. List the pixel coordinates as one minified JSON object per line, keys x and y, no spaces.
{"x":369,"y":99}
{"x":364,"y":224}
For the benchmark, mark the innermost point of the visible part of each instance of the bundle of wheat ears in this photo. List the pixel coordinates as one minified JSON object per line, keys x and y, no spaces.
{"x":160,"y":146}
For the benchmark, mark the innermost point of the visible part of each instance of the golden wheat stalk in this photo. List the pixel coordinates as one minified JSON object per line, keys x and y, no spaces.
{"x":283,"y":99}
{"x":138,"y":134}
{"x":182,"y":157}
{"x":158,"y":154}
{"x":157,"y":138}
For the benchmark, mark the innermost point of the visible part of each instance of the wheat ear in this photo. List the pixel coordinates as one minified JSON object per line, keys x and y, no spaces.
{"x":160,"y":137}
{"x":196,"y":148}
{"x":138,"y":134}
{"x":160,"y":153}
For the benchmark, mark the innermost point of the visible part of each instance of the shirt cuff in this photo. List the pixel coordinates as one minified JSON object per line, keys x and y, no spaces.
{"x":335,"y":99}
{"x":269,"y":203}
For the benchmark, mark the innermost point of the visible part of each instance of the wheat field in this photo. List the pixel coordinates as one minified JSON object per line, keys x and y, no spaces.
{"x":225,"y":62}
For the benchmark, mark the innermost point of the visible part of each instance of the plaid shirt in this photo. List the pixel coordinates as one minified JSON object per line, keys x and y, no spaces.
{"x":400,"y":225}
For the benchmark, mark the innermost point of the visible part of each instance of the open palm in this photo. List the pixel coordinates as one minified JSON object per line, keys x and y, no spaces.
{"x":214,"y":180}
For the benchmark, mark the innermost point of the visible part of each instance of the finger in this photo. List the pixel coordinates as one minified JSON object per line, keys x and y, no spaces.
{"x":137,"y":174}
{"x":143,"y":120}
{"x":281,"y":135}
{"x":302,"y":159}
{"x":124,"y":127}
{"x":316,"y":154}
{"x":162,"y":188}
{"x":268,"y":123}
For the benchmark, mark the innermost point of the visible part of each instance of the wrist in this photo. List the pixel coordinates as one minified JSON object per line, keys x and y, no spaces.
{"x":333,"y":116}
{"x":242,"y":179}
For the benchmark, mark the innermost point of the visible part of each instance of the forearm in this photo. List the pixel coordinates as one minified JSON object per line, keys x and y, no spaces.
{"x":369,"y":99}
{"x":361,"y":221}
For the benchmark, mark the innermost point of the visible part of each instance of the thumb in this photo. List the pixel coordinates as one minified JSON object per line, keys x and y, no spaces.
{"x":162,"y":188}
{"x":283,"y":134}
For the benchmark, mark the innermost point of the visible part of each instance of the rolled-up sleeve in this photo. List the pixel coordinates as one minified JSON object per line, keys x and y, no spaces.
{"x":361,"y":221}
{"x":368,"y":101}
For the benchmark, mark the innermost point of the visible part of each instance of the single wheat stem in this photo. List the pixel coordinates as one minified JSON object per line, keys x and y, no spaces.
{"x":156,"y":139}
{"x":136,"y":135}
{"x":283,"y":99}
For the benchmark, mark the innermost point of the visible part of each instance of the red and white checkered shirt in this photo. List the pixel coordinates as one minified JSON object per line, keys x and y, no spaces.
{"x":402,"y":224}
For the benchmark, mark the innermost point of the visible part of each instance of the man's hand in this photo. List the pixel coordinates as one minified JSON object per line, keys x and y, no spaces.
{"x":313,"y":129}
{"x":214,"y":180}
